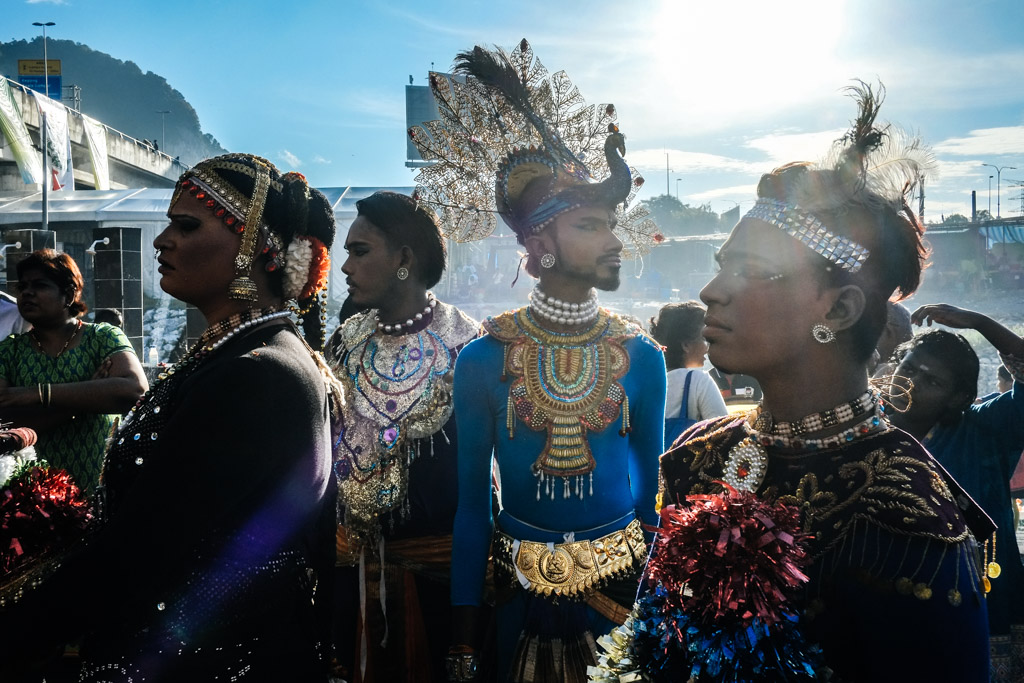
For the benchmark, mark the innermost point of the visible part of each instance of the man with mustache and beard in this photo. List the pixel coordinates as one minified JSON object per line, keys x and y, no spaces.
{"x":562,"y":399}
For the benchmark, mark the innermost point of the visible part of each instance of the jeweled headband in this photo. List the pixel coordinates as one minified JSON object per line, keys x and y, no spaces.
{"x":805,"y":227}
{"x":241,"y":213}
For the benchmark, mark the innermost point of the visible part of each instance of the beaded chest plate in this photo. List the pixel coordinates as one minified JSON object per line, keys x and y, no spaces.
{"x":397,"y":391}
{"x":566,"y":384}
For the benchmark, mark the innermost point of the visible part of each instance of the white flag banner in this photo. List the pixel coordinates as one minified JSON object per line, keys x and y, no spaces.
{"x":96,"y":134}
{"x":14,"y":130}
{"x":58,"y":141}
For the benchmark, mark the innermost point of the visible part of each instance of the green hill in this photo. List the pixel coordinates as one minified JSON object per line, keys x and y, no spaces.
{"x":120,"y":95}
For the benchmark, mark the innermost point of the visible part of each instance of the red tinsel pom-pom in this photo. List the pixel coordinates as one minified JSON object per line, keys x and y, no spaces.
{"x":41,"y":511}
{"x":729,"y":557}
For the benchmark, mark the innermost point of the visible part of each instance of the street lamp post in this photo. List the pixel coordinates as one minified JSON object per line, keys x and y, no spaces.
{"x":990,"y":197}
{"x":163,"y":126}
{"x":46,"y":66}
{"x":999,"y":174}
{"x":42,"y":127}
{"x":668,"y":190}
{"x":677,"y":188}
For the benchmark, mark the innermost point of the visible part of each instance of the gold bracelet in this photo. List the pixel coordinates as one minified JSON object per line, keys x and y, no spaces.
{"x":46,"y":394}
{"x":40,"y":388}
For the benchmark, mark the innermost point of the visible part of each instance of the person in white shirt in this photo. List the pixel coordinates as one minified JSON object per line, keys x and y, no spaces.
{"x":11,"y":321}
{"x":677,"y":327}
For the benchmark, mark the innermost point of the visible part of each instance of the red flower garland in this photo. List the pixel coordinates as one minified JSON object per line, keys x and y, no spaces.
{"x":736,"y":556}
{"x":41,"y":511}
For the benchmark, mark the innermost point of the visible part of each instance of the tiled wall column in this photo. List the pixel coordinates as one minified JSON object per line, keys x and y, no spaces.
{"x":117,"y":273}
{"x":31,"y":240}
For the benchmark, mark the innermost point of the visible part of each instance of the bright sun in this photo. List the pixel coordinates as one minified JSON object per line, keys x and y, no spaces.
{"x":708,"y":58}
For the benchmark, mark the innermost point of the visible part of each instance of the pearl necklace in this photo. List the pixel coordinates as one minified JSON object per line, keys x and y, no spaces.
{"x":816,"y":422}
{"x":563,"y":312}
{"x":396,"y":328}
{"x":873,"y":424}
{"x":198,"y":353}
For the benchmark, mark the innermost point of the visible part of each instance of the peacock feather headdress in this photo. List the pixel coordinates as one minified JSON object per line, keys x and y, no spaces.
{"x":515,"y":141}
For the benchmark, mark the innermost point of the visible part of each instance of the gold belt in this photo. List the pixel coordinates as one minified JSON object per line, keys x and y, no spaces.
{"x":570,"y":569}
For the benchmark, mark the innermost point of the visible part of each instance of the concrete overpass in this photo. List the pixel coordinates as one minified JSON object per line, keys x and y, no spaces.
{"x":132,"y":163}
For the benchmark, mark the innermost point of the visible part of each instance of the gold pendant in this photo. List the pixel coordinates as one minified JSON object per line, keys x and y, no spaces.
{"x":243,"y":289}
{"x":986,"y":583}
{"x":994,"y":570}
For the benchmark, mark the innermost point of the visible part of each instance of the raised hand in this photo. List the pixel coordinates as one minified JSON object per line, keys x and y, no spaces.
{"x":946,"y":314}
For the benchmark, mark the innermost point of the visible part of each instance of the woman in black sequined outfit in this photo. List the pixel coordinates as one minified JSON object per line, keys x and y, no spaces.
{"x":216,"y":509}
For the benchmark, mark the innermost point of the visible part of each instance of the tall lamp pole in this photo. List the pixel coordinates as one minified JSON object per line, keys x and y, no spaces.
{"x":163,"y":126}
{"x":677,"y":188}
{"x":990,"y":197}
{"x":46,"y":66}
{"x":999,"y":173}
{"x":42,"y":126}
{"x":668,"y":190}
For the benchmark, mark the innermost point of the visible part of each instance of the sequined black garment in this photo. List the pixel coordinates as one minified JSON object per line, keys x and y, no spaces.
{"x":217,"y":521}
{"x":895,"y":589}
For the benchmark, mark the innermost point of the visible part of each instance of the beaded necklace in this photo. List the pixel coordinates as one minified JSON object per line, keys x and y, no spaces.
{"x":563,"y":312}
{"x":225,"y":330}
{"x":815,"y":422}
{"x":136,"y":435}
{"x":419,"y":321}
{"x":747,"y":462}
{"x":398,"y":397}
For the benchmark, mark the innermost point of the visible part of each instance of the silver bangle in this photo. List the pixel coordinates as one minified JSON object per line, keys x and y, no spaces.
{"x":461,"y":667}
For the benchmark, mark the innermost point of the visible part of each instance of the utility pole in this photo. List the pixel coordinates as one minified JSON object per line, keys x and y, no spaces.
{"x":667,"y":190}
{"x":999,"y":174}
{"x":163,"y":127}
{"x":42,"y":127}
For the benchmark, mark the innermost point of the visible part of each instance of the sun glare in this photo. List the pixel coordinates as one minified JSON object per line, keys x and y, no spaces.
{"x":709,"y":58}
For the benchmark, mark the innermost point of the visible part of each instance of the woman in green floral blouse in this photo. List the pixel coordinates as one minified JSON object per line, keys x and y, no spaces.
{"x":65,"y":378}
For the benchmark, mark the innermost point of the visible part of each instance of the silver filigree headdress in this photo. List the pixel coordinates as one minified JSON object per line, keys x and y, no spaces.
{"x":507,"y":128}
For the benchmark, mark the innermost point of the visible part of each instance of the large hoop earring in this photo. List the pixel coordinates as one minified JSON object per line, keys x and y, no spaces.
{"x":547,"y":260}
{"x":403,"y":273}
{"x":823,"y":334}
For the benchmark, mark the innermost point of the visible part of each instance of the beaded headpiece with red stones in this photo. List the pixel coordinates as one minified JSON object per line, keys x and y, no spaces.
{"x":239,"y":212}
{"x":517,"y":142}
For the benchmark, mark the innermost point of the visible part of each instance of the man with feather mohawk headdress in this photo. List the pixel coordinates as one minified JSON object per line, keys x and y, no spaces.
{"x":567,"y":398}
{"x":879,"y":579}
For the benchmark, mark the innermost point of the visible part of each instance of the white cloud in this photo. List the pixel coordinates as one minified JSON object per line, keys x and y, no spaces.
{"x":986,"y":141}
{"x":47,"y":2}
{"x":290,"y":158}
{"x":783,"y":148}
{"x":317,"y":159}
{"x":653,"y":161}
{"x":745,"y":193}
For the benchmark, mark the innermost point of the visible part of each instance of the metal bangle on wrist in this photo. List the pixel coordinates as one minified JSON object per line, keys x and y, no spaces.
{"x":461,"y":666}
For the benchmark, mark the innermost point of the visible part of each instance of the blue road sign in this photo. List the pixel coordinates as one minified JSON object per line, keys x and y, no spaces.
{"x":38,"y":84}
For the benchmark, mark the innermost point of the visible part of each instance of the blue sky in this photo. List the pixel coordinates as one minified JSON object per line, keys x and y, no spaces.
{"x":728,"y":88}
